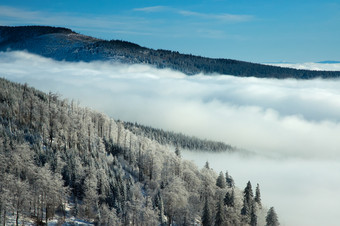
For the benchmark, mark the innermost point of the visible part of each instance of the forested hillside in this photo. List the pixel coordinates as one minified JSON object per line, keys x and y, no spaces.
{"x":60,"y":161}
{"x":177,"y":140}
{"x":64,"y":44}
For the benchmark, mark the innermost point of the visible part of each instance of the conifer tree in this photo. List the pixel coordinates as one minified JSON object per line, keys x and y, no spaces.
{"x":221,"y":182}
{"x":229,"y":180}
{"x":206,"y":216}
{"x":220,"y":217}
{"x":258,"y":196}
{"x":229,"y":199}
{"x":178,"y":152}
{"x":247,"y":202}
{"x":253,"y":216}
{"x":271,"y":218}
{"x":207,"y":165}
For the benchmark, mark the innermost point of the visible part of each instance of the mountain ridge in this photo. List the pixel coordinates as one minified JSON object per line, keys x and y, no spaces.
{"x":64,"y":44}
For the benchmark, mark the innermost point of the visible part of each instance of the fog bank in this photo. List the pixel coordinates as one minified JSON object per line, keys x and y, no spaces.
{"x":294,"y":118}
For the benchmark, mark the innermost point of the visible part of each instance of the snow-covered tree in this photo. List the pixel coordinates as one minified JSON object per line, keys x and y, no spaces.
{"x":206,"y":215}
{"x":220,"y":214}
{"x":272,"y":218}
{"x":221,"y":182}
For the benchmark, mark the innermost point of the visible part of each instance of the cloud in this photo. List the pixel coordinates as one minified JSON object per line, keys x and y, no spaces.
{"x":272,"y":117}
{"x":298,"y":189}
{"x":292,"y":125}
{"x":83,"y":22}
{"x":136,"y":24}
{"x":151,"y":9}
{"x":225,"y":17}
{"x":311,"y":66}
{"x":222,"y":17}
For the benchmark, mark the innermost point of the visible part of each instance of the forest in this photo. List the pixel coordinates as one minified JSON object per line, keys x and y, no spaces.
{"x":60,"y":161}
{"x":65,"y":44}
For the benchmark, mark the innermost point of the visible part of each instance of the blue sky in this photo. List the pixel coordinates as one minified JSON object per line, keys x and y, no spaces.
{"x":257,"y":31}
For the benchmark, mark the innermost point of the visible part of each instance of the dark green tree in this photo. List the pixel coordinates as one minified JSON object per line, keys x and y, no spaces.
{"x":206,"y":216}
{"x":258,"y":196}
{"x":220,"y":214}
{"x":253,"y":216}
{"x":229,"y":199}
{"x":229,"y":180}
{"x":247,"y":202}
{"x":207,"y":165}
{"x":271,"y":218}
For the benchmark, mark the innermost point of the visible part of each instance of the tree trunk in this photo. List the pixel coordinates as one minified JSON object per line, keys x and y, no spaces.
{"x":4,"y":220}
{"x":0,"y":212}
{"x":46,"y":215}
{"x":17,"y":219}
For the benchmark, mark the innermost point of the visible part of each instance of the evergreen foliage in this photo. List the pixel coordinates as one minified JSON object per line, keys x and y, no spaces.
{"x":229,"y":180}
{"x":229,"y":199}
{"x":258,"y":196}
{"x":206,"y":217}
{"x":221,"y":182}
{"x":220,"y":215}
{"x":271,"y":218}
{"x":177,"y":140}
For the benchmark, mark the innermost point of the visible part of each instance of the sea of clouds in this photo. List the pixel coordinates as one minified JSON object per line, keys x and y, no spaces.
{"x":292,"y":126}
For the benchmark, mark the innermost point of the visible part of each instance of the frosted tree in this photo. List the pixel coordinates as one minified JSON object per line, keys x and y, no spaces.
{"x":229,"y":180}
{"x":229,"y":199}
{"x":271,"y":218}
{"x":178,"y":152}
{"x":21,"y":197}
{"x":91,"y":195}
{"x":108,"y":216}
{"x":220,"y":214}
{"x":175,"y":198}
{"x":253,"y":216}
{"x":247,"y":202}
{"x":206,"y":215}
{"x":207,"y":165}
{"x":258,"y":196}
{"x":221,"y":182}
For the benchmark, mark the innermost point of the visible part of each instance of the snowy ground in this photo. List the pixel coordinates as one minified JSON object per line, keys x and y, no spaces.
{"x":57,"y":220}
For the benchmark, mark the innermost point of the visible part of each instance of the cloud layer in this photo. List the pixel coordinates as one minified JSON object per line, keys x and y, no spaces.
{"x":293,"y":125}
{"x":311,"y":66}
{"x":272,"y":117}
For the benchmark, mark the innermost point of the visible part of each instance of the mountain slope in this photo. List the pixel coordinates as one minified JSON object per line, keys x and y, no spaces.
{"x":64,"y":44}
{"x":55,"y":154}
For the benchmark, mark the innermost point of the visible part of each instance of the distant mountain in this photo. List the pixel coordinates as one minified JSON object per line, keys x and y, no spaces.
{"x":329,"y":62}
{"x":64,"y":44}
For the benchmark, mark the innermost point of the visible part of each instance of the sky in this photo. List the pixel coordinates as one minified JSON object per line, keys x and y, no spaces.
{"x":257,"y":31}
{"x":291,"y":126}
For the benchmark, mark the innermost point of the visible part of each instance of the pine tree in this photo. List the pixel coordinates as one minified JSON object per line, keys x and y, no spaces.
{"x":229,"y":199}
{"x":220,"y":217}
{"x":258,"y":196}
{"x":178,"y":152}
{"x":271,"y":218}
{"x":229,"y":180}
{"x":207,"y":165}
{"x":247,"y":202}
{"x":206,"y":216}
{"x":253,"y":216}
{"x":221,"y":182}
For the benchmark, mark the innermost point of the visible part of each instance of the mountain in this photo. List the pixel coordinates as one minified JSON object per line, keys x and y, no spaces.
{"x":64,"y":44}
{"x":64,"y":164}
{"x":329,"y":62}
